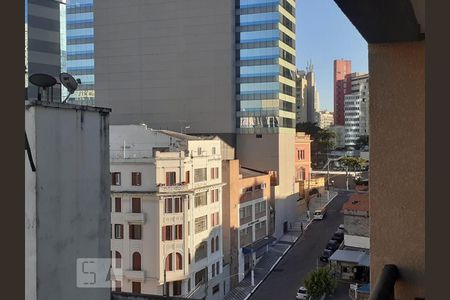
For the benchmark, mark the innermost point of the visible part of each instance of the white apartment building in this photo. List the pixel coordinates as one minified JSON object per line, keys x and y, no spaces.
{"x":325,"y":119}
{"x":166,"y":212}
{"x":356,"y":109}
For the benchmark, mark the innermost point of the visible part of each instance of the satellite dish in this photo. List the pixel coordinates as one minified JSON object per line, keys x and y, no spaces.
{"x":69,"y":82}
{"x":43,"y":81}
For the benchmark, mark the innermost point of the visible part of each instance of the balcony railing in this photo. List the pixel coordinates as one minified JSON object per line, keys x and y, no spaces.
{"x":176,"y":188}
{"x":134,"y":275}
{"x":384,"y":290}
{"x":135,"y":218}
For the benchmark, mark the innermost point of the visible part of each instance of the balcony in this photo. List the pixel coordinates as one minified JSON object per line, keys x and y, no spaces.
{"x":135,"y":218}
{"x":175,"y":275}
{"x":171,"y":189}
{"x":134,"y":275}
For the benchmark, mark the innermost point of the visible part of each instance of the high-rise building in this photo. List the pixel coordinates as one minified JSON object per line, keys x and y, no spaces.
{"x":307,"y":96}
{"x":42,"y":44}
{"x":80,"y":49}
{"x":342,"y":86}
{"x":357,"y":109}
{"x":166,"y":217}
{"x":224,"y":67}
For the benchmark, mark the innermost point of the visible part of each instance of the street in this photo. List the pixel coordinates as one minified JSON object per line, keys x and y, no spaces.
{"x":290,"y":273}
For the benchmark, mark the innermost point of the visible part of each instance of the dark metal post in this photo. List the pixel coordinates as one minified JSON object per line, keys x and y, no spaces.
{"x":384,"y":289}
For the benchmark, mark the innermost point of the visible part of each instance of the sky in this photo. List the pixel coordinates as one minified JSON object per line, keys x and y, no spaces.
{"x":324,"y":34}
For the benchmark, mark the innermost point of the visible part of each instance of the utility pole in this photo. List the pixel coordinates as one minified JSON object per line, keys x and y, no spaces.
{"x":252,"y":266}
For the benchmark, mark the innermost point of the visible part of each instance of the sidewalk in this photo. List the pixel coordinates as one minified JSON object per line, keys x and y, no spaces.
{"x":276,"y":251}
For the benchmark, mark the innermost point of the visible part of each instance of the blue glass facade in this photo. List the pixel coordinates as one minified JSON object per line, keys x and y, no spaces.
{"x":80,"y":49}
{"x":261,"y":94}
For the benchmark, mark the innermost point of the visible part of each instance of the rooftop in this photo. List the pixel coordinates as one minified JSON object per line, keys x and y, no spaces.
{"x":357,"y":202}
{"x":358,"y":257}
{"x":247,"y":172}
{"x":29,"y":103}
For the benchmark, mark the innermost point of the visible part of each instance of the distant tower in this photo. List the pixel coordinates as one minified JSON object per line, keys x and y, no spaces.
{"x":342,"y":86}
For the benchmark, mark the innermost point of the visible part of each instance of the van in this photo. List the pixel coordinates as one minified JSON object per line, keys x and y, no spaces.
{"x":319,"y":214}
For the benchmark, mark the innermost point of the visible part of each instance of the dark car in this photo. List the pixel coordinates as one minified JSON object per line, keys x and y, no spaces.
{"x":332,"y":245}
{"x":338,"y":236}
{"x":326,"y":255}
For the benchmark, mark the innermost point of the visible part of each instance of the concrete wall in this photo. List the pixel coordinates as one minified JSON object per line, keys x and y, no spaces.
{"x":356,"y":225}
{"x":397,"y":188}
{"x":67,"y":199}
{"x":167,"y":63}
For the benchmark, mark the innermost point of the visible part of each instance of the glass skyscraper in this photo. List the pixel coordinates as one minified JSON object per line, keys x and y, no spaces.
{"x":80,"y":49}
{"x":265,"y":65}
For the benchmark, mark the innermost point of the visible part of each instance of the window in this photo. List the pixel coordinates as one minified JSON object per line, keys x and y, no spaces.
{"x":217,"y":267}
{"x":199,"y":151}
{"x":245,"y":212}
{"x":200,"y":175}
{"x":201,"y":251}
{"x":214,"y":173}
{"x":178,"y":261}
{"x":213,"y":248}
{"x":115,"y":177}
{"x":135,"y":232}
{"x":167,"y":233}
{"x":258,"y":187}
{"x":201,"y":224}
{"x":189,"y":228}
{"x":169,"y":266}
{"x":247,"y":190}
{"x":187,"y":177}
{"x":213,"y":270}
{"x":136,"y":261}
{"x":213,"y":150}
{"x":118,"y":204}
{"x":178,"y":205}
{"x":168,"y":205}
{"x":178,"y":232}
{"x":176,"y":288}
{"x":200,"y":199}
{"x":171,"y":178}
{"x":215,"y":289}
{"x":260,"y":207}
{"x":136,"y":287}
{"x":201,"y":276}
{"x":214,"y":219}
{"x":118,"y":285}
{"x":214,"y":195}
{"x":136,"y":178}
{"x":136,"y":205}
{"x":118,"y":260}
{"x":217,"y":244}
{"x":118,"y":231}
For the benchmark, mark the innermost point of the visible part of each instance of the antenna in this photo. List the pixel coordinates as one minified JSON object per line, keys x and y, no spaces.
{"x":43,"y":81}
{"x":69,"y":83}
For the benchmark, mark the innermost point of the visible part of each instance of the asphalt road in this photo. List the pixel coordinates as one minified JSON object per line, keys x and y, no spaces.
{"x":290,"y":273}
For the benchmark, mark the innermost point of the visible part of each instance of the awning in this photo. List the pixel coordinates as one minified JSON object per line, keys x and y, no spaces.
{"x":258,"y":244}
{"x":360,"y":258}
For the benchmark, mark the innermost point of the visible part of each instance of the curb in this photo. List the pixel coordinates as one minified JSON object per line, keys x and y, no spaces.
{"x":282,"y":255}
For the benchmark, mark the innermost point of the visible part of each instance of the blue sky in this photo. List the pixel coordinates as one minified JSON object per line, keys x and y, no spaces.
{"x":323,"y":34}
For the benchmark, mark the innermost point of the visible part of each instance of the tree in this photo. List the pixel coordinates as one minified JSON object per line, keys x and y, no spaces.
{"x":323,"y":141}
{"x":362,"y":141}
{"x":353,"y":162}
{"x":320,"y":282}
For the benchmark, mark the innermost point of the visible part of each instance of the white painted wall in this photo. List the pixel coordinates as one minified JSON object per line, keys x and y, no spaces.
{"x":357,"y":241}
{"x":67,"y":199}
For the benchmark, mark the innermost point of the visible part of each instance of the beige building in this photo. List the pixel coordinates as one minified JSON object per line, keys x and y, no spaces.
{"x":166,"y":213}
{"x":395,"y":32}
{"x":324,"y":119}
{"x":246,"y":208}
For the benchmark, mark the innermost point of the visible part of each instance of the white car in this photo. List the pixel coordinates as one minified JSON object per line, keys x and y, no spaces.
{"x":302,"y":293}
{"x":341,"y":226}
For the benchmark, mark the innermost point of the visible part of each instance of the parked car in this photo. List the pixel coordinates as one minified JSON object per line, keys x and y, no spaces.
{"x":338,"y":236}
{"x":332,"y":245}
{"x":302,"y":293}
{"x":326,"y":255}
{"x":341,"y":227}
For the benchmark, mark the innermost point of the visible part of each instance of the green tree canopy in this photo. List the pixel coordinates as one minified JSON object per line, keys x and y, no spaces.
{"x":353,"y":162}
{"x":320,"y":282}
